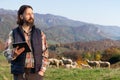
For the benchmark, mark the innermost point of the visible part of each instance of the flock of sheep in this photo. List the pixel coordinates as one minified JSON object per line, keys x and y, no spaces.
{"x":68,"y":63}
{"x":98,"y":63}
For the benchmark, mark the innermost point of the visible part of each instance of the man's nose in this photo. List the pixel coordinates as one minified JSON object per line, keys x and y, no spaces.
{"x":31,"y":15}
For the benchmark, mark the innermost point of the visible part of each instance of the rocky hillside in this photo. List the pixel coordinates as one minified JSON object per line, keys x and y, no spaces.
{"x":60,"y":29}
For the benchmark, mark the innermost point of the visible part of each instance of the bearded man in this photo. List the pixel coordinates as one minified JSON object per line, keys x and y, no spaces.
{"x":27,"y":65}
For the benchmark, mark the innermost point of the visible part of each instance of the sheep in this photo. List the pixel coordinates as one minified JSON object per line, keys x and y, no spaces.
{"x":93,"y":63}
{"x":54,"y":62}
{"x":66,"y":61}
{"x":61,"y":63}
{"x":104,"y":64}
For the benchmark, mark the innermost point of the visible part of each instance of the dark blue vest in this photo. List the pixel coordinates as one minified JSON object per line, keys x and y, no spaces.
{"x":18,"y":65}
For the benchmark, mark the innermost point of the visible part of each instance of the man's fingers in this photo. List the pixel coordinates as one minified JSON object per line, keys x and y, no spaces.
{"x":21,"y":50}
{"x":17,"y":47}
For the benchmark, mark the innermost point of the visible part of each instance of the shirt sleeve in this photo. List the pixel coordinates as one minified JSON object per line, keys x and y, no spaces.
{"x":8,"y":52}
{"x":45,"y":53}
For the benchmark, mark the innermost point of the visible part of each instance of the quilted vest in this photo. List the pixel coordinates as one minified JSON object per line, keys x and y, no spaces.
{"x":18,"y":65}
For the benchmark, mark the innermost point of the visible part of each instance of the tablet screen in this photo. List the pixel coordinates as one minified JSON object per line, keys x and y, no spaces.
{"x":22,"y":44}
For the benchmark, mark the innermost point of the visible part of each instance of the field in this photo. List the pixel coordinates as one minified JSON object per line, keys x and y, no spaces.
{"x":66,"y":74}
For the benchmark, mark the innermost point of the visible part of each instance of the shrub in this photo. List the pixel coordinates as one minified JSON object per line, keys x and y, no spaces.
{"x":114,"y":59}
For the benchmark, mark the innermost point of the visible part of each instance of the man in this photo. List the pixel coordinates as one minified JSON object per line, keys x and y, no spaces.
{"x":27,"y":65}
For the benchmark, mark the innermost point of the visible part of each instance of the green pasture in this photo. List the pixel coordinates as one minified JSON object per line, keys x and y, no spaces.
{"x":66,"y":74}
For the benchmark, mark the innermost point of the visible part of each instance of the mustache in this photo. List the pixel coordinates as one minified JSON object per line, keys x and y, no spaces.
{"x":31,"y":19}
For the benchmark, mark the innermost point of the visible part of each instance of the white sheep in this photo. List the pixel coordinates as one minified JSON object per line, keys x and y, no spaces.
{"x":53,"y":62}
{"x":93,"y":63}
{"x":66,"y":61}
{"x":104,"y":64}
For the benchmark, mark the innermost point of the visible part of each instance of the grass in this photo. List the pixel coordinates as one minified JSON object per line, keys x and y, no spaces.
{"x":4,"y":69}
{"x":66,"y":74}
{"x":82,"y":74}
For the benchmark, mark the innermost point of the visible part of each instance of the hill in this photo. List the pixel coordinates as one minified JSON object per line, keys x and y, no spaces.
{"x":60,"y":29}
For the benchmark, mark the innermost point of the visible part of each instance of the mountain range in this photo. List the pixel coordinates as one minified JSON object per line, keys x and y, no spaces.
{"x":60,"y":29}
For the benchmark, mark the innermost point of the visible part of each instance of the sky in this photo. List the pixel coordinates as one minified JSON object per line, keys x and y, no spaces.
{"x":103,"y":12}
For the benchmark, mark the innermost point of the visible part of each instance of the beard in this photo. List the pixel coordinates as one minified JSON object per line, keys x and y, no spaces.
{"x":29,"y":22}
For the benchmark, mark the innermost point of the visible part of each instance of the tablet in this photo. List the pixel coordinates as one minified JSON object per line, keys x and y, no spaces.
{"x":22,"y":44}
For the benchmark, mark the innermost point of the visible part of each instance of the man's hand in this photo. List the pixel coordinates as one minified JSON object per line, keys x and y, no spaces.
{"x":18,"y":50}
{"x":41,"y":73}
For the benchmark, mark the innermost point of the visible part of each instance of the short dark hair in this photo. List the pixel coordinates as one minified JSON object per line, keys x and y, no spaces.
{"x":20,"y":12}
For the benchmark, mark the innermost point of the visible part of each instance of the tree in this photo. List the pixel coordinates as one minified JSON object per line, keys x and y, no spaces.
{"x":98,"y":55}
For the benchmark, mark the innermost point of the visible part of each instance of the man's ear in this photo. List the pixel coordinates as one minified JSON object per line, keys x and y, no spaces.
{"x":21,"y":16}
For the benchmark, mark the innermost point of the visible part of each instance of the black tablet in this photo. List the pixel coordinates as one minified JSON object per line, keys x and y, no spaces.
{"x":22,"y":44}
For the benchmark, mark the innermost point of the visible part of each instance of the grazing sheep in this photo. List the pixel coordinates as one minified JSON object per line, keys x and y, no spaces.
{"x":104,"y":64}
{"x":61,"y":63}
{"x":66,"y":61}
{"x":93,"y":63}
{"x":53,"y":62}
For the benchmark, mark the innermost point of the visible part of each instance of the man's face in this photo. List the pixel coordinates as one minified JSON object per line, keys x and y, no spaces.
{"x":28,"y":17}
